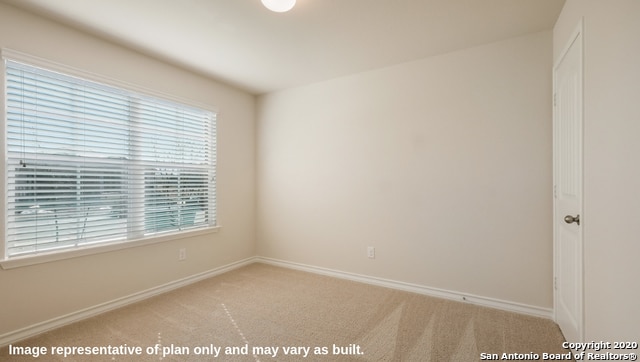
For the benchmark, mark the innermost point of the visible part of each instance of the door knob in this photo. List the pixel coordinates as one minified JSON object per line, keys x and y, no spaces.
{"x":571,"y":219}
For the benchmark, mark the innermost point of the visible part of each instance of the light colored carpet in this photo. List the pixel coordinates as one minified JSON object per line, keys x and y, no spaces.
{"x":265,"y":307}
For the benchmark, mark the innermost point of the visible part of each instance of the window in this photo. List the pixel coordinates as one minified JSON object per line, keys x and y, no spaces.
{"x":89,"y":163}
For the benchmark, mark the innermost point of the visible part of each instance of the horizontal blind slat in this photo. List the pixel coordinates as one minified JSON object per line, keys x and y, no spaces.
{"x":90,"y":163}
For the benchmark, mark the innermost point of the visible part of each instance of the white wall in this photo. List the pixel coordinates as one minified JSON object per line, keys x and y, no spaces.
{"x":39,"y":293}
{"x":611,"y":162}
{"x":442,"y":164}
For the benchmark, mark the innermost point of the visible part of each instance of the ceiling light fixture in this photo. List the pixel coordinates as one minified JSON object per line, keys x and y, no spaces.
{"x":279,"y":6}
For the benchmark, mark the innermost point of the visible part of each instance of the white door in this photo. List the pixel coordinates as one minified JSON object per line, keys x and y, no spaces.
{"x":568,"y":217}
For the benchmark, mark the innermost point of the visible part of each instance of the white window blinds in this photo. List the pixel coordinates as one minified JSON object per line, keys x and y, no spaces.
{"x":89,"y":163}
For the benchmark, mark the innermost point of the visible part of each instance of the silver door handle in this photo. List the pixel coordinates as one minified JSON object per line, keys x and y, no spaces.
{"x":571,"y":219}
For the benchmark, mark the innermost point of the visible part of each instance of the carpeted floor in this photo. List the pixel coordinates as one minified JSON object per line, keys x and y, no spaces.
{"x":266,"y":313}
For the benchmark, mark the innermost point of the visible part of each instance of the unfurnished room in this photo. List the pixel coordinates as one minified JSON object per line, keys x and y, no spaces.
{"x":322,"y":180}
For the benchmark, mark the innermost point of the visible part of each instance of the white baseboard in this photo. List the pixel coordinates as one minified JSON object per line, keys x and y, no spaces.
{"x":419,"y":289}
{"x":57,"y":322}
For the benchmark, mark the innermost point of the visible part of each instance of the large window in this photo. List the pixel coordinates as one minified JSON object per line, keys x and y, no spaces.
{"x":89,"y":163}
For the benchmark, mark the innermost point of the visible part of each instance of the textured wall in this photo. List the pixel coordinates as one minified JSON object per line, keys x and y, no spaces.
{"x":38,"y":293}
{"x":442,"y":164}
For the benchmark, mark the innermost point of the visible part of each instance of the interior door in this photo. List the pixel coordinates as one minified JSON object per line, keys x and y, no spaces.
{"x":568,"y":216}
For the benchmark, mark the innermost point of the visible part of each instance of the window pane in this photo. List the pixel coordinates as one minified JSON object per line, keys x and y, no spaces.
{"x":172,"y":134}
{"x":175,"y":199}
{"x":66,"y":205}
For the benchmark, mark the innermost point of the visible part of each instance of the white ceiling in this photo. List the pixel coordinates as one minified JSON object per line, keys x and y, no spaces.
{"x":241,"y":43}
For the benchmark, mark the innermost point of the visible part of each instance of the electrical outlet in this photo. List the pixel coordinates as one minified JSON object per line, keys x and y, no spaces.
{"x":182,"y":254}
{"x":371,"y":252}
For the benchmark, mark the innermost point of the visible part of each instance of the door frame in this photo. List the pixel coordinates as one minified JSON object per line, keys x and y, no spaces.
{"x":576,"y":35}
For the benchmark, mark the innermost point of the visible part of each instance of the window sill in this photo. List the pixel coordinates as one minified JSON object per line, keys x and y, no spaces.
{"x":46,"y":257}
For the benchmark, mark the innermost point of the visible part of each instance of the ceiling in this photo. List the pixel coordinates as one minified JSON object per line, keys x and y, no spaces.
{"x":241,"y":43}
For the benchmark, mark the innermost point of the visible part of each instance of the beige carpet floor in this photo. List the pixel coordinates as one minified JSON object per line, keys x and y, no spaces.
{"x":266,"y":313}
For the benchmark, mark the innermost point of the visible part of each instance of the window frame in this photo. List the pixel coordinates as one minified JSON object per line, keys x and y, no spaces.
{"x":7,"y":262}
